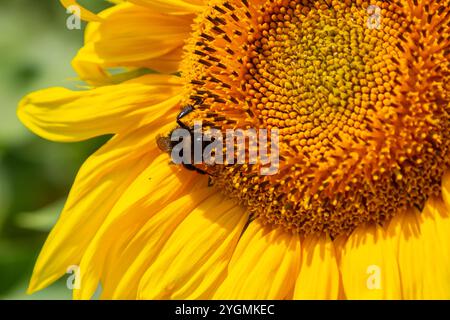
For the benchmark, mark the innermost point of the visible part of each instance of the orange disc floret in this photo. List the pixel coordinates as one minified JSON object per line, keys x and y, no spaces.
{"x":359,"y":91}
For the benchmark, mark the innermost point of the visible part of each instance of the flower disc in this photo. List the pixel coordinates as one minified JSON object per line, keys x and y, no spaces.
{"x":359,"y":91}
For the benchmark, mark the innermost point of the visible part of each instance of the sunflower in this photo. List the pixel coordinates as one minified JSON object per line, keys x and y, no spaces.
{"x":360,"y":207}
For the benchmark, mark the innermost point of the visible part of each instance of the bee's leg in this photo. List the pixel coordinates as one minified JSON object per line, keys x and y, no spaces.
{"x":188,"y":109}
{"x":191,"y":167}
{"x":210,"y":181}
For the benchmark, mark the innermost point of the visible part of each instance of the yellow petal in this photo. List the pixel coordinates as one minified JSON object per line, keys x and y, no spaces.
{"x":173,"y":6}
{"x":264,"y":265}
{"x":136,"y":247}
{"x":368,"y":265}
{"x":101,"y":181}
{"x":139,"y":253}
{"x":446,"y":190}
{"x":319,"y":274}
{"x":195,"y":258}
{"x":84,"y":13}
{"x":157,"y":186}
{"x":92,"y":196}
{"x":63,"y":115}
{"x":423,"y":251}
{"x":133,"y":37}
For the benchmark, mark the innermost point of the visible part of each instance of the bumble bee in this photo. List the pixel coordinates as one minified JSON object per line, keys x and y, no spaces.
{"x":165,"y":143}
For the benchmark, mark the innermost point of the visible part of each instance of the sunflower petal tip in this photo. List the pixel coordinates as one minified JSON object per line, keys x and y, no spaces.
{"x":34,"y":285}
{"x":30,"y":290}
{"x":83,"y":13}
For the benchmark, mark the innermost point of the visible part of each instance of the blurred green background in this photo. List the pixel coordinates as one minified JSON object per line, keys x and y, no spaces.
{"x":35,"y":175}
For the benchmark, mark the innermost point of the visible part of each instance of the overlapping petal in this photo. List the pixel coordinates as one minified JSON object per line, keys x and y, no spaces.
{"x":155,"y":188}
{"x":423,"y":241}
{"x":99,"y":184}
{"x":173,"y":6}
{"x":194,"y":260}
{"x":132,"y":37}
{"x":369,"y":266}
{"x":318,"y":277}
{"x":140,"y":252}
{"x":145,"y":229}
{"x":263,"y":265}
